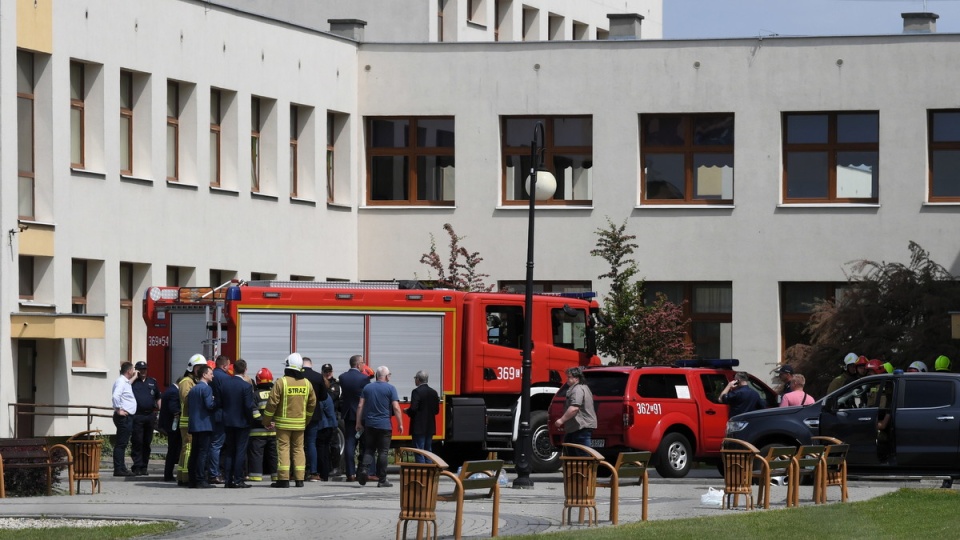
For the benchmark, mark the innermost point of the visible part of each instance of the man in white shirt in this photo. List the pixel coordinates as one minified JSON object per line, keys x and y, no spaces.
{"x":124,"y":407}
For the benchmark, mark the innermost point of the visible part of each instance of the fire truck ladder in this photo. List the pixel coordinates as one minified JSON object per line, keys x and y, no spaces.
{"x":213,"y":315}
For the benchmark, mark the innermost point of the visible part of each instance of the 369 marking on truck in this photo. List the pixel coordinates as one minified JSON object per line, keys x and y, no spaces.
{"x":648,"y":408}
{"x":158,"y":341}
{"x":509,"y":373}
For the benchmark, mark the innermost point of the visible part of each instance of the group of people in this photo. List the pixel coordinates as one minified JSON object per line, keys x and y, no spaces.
{"x":855,"y":367}
{"x":225,"y":428}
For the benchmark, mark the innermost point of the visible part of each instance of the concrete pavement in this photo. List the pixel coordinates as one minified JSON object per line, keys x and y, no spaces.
{"x":341,"y":510}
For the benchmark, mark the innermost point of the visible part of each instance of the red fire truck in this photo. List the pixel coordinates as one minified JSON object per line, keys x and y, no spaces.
{"x":469,"y":343}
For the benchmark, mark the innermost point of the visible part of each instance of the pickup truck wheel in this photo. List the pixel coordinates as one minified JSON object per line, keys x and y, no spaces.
{"x":545,"y":457}
{"x":674,"y":456}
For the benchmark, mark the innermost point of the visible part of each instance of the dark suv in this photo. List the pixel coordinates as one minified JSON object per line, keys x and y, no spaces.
{"x":923,"y":436}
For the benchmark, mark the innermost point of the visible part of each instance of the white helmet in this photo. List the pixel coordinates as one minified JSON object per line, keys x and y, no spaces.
{"x":917,"y":366}
{"x":196,"y":360}
{"x":294,"y":361}
{"x":850,"y":359}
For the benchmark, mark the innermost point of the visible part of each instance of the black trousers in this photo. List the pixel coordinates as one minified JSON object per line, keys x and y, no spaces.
{"x":174,"y":443}
{"x":140,"y":440}
{"x":124,"y":426}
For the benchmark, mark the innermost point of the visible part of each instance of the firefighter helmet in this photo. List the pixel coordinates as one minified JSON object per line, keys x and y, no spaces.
{"x":862,"y":361}
{"x":888,"y":367}
{"x":942,"y":363}
{"x":850,"y":359}
{"x":917,"y":367}
{"x":875,"y":367}
{"x":196,"y":360}
{"x":264,"y":376}
{"x":294,"y":361}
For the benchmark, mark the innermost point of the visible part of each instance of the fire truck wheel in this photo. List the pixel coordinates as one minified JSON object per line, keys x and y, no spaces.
{"x":545,"y":457}
{"x":674,"y":456}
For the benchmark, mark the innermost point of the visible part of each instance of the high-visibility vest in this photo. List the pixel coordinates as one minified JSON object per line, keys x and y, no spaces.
{"x":185,"y":384}
{"x":291,"y":403}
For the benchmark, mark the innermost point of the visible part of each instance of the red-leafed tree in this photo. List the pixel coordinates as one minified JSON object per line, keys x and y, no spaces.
{"x":629,"y":330}
{"x":460,"y":270}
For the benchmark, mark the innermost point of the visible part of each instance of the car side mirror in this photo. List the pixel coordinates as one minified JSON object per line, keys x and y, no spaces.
{"x":830,"y":405}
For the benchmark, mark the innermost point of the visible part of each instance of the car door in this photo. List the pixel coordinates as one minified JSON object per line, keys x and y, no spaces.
{"x":927,"y":423}
{"x":851,"y":416}
{"x":713,"y":422}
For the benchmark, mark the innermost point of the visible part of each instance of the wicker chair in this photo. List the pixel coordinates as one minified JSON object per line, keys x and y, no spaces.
{"x":738,"y":458}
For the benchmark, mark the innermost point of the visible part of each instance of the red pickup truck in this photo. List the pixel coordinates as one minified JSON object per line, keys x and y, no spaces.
{"x":673,"y":411}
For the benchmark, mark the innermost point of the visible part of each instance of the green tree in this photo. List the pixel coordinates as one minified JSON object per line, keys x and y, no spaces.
{"x":894,"y":312}
{"x":632,"y":332}
{"x":460,"y":270}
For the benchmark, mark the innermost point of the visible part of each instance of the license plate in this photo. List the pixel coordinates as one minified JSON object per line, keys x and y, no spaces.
{"x":597,"y":443}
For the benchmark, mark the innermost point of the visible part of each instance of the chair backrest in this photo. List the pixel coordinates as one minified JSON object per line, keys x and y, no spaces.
{"x":487,"y":472}
{"x":809,"y":457}
{"x":835,"y":455}
{"x":737,"y":444}
{"x":737,"y":469}
{"x":779,"y":458}
{"x":632,"y":464}
{"x":586,"y":451}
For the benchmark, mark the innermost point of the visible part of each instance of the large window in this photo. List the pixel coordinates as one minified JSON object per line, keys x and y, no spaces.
{"x":25,"y":132}
{"x":216,"y":121}
{"x":255,"y":127}
{"x":27,"y":281}
{"x":687,"y":158}
{"x":127,"y":294}
{"x":77,"y":114}
{"x":708,"y":306}
{"x":173,"y":131}
{"x":520,"y":287}
{"x":944,"y":148}
{"x":797,"y":300}
{"x":126,"y":122}
{"x":79,"y":290}
{"x":831,"y":157}
{"x":568,"y":154}
{"x":410,"y":161}
{"x":331,"y":158}
{"x":294,"y":150}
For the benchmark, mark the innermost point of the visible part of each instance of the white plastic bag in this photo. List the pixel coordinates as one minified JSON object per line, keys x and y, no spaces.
{"x":713,"y":497}
{"x":502,"y":479}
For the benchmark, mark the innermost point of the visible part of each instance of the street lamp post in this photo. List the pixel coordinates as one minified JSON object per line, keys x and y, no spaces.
{"x":540,"y":185}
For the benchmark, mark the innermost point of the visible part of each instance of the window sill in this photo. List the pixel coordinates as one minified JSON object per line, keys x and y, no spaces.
{"x":135,"y":179}
{"x":181,"y":185}
{"x":339,"y":206}
{"x":944,"y":203}
{"x":76,"y":369}
{"x":684,"y":206}
{"x":258,"y":195}
{"x":478,"y":26}
{"x":406,"y":207}
{"x":224,"y":191}
{"x":546,"y":207}
{"x":828,"y":205}
{"x":302,"y":201}
{"x":33,"y":304}
{"x":88,"y":172}
{"x":38,"y":223}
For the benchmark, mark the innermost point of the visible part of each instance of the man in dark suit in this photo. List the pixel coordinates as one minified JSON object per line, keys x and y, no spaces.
{"x":313,"y":427}
{"x":424,"y":406}
{"x":168,"y":423}
{"x":239,"y":412}
{"x":352,"y":382}
{"x":216,"y":443}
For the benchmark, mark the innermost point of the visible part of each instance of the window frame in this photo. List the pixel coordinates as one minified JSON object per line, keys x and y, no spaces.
{"x":412,"y":151}
{"x":829,"y":290}
{"x":216,"y":135}
{"x":173,"y":123}
{"x":126,"y":305}
{"x":933,"y":147}
{"x":294,"y":150}
{"x":832,"y":147}
{"x":689,"y":150}
{"x":126,"y":115}
{"x":78,"y":302}
{"x":331,"y":157}
{"x":26,"y":268}
{"x":31,"y":175}
{"x":691,"y":317}
{"x":256,"y":128}
{"x":550,"y":151}
{"x":79,"y":105}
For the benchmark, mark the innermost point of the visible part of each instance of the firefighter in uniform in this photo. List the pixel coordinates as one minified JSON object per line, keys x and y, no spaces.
{"x":291,"y":404}
{"x":188,"y":381}
{"x":262,"y":451}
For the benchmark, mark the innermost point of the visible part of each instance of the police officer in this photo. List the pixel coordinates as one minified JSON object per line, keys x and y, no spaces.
{"x":146,"y":391}
{"x":262,"y":449}
{"x":289,"y":409}
{"x":186,"y":383}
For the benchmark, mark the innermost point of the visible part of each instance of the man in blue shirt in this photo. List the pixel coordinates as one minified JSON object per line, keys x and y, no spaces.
{"x":146,"y":390}
{"x":378,"y":402}
{"x":739,"y":396}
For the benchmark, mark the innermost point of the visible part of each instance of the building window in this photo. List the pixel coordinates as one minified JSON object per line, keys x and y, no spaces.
{"x":173,"y":131}
{"x":25,"y":135}
{"x":216,"y":122}
{"x":709,"y":308}
{"x":581,"y":31}
{"x":555,"y":24}
{"x":797,"y":300}
{"x":477,"y":11}
{"x":262,"y":276}
{"x":520,"y":287}
{"x":77,"y":117}
{"x":331,"y":158}
{"x":441,"y":5}
{"x":175,"y":276}
{"x":944,"y":159}
{"x":294,"y":152}
{"x":831,"y":157}
{"x":410,"y":161}
{"x":568,"y":154}
{"x":80,"y":288}
{"x":27,"y":281}
{"x":127,"y":294}
{"x":296,"y":277}
{"x":531,"y":24}
{"x":687,"y":158}
{"x":255,"y":128}
{"x":126,"y":122}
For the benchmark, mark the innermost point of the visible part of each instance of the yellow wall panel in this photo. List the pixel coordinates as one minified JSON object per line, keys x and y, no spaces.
{"x":35,"y":25}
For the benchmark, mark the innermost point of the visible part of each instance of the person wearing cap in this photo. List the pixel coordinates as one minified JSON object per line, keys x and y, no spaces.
{"x":124,"y":407}
{"x":146,"y":391}
{"x":289,"y":409}
{"x":848,"y":375}
{"x":785,"y":374}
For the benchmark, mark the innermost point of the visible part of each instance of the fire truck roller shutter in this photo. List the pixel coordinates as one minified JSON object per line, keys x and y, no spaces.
{"x":187,"y":334}
{"x":265,"y":340}
{"x":407,"y":343}
{"x":330,"y":338}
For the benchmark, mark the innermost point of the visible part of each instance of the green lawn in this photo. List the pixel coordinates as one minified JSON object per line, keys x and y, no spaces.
{"x":89,"y":533}
{"x":907,"y":513}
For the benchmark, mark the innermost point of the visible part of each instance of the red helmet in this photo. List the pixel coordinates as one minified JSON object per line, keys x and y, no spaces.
{"x":876,"y":367}
{"x":264,"y":376}
{"x":862,"y":361}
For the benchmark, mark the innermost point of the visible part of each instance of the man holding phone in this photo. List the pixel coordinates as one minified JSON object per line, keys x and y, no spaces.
{"x":739,"y":396}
